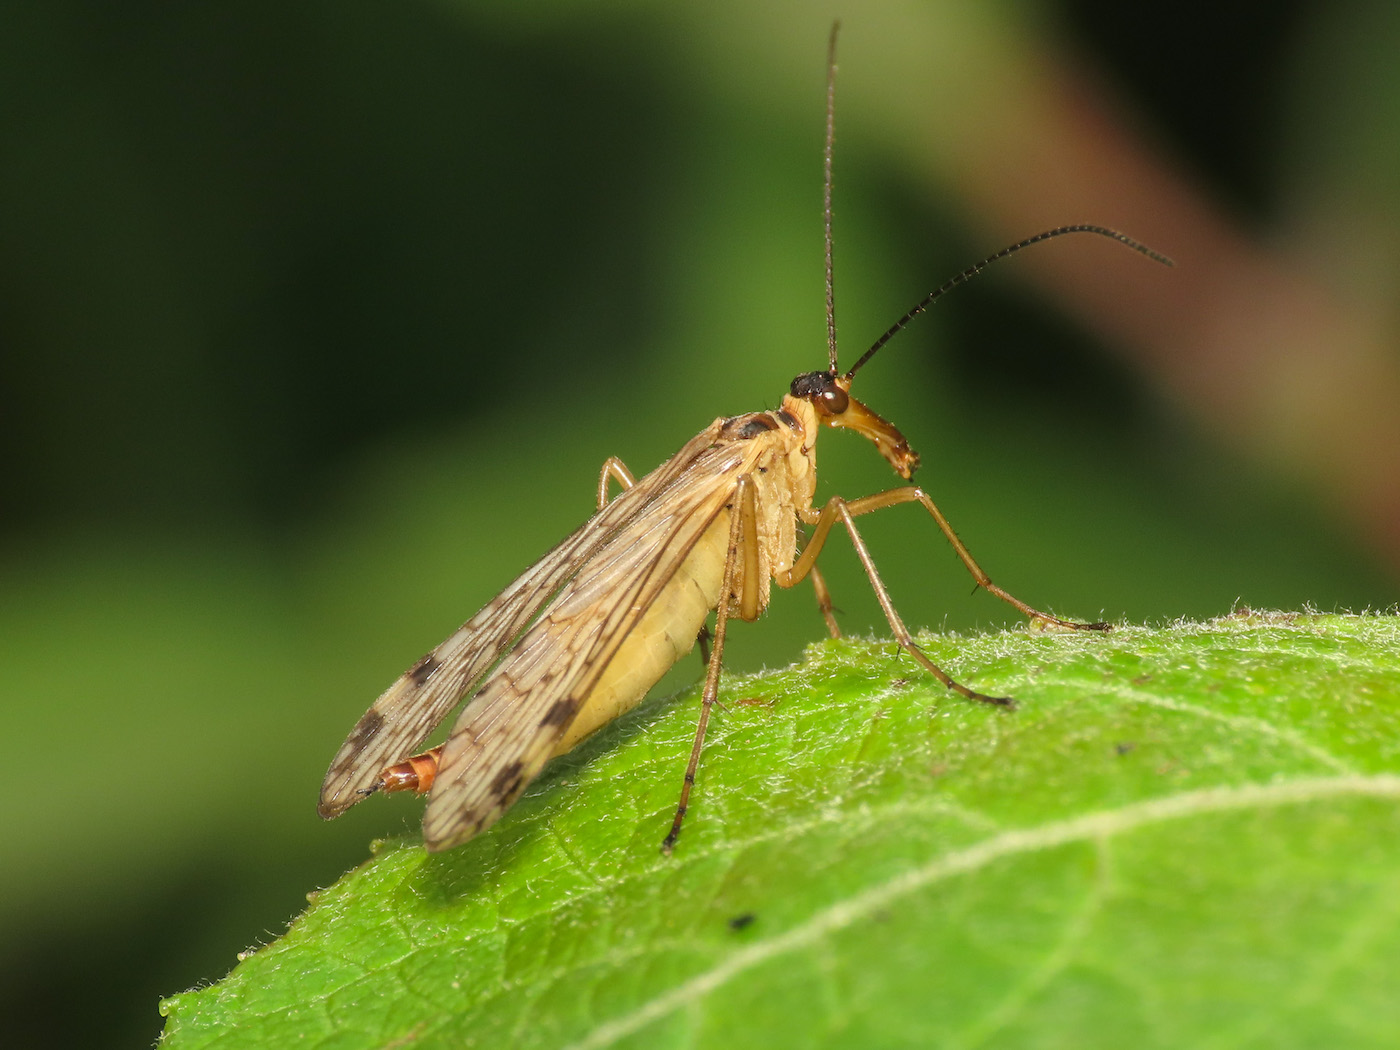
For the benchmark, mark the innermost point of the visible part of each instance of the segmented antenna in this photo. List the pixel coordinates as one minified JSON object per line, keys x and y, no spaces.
{"x":826,"y":190}
{"x":928,"y":300}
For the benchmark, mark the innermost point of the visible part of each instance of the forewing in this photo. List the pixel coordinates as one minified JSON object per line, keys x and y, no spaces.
{"x":503,"y":739}
{"x":399,"y":721}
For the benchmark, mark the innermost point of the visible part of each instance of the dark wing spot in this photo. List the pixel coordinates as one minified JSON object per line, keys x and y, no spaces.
{"x":508,"y":781}
{"x":366,"y":729}
{"x":423,"y":669}
{"x":560,"y":713}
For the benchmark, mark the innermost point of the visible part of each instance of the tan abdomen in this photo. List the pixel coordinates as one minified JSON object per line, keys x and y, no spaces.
{"x":665,"y":633}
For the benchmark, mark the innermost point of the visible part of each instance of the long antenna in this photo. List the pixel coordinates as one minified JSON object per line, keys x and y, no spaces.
{"x":826,"y":190}
{"x":972,"y":271}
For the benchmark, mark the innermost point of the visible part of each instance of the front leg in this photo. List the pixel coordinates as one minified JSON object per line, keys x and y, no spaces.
{"x":838,"y":509}
{"x":912,"y":494}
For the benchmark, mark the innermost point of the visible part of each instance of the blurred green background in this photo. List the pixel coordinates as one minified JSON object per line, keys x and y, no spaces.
{"x":317,"y":322}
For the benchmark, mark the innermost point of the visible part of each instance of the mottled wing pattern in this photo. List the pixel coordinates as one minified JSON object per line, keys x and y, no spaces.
{"x":403,"y":716}
{"x":503,"y":739}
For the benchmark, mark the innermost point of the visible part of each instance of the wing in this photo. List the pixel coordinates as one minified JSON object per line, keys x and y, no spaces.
{"x":508,"y":732}
{"x":400,"y":720}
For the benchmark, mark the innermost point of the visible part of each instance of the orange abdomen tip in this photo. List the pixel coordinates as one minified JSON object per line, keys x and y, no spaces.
{"x":416,"y":773}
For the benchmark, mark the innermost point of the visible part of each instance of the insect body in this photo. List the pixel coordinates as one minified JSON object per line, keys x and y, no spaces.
{"x":582,"y":635}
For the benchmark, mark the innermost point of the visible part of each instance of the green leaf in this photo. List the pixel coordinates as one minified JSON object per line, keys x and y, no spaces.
{"x":1186,"y":836}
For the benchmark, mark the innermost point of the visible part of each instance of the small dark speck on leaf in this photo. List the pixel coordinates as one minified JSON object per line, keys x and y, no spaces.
{"x":739,"y":922}
{"x":1124,"y":746}
{"x":1142,"y":679}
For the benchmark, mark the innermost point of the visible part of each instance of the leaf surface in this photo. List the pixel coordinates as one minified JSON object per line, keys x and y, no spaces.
{"x":1183,"y":836}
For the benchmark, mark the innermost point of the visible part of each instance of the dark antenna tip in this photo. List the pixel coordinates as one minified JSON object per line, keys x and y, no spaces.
{"x":826,"y":190}
{"x":977,"y":267}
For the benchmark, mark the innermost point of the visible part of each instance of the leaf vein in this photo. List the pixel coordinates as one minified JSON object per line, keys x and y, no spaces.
{"x":1244,"y":722}
{"x":1099,"y":824}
